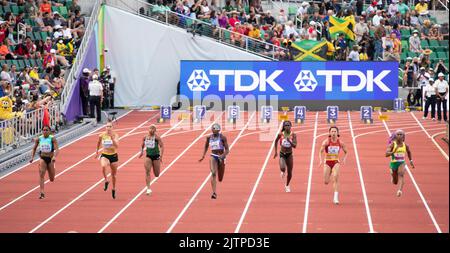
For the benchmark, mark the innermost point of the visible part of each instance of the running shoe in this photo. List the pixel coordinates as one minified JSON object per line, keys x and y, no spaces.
{"x":399,"y":193}
{"x":42,"y":196}
{"x":423,"y":118}
{"x":214,"y":196}
{"x":149,"y":191}
{"x":287,"y":188}
{"x":106,"y":186}
{"x":336,"y":201}
{"x":113,"y":194}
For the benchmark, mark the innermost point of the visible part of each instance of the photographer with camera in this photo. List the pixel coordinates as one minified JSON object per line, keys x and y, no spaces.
{"x":108,"y":81}
{"x":84,"y":90}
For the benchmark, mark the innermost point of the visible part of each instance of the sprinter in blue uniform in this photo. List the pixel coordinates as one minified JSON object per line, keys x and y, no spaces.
{"x":48,"y":151}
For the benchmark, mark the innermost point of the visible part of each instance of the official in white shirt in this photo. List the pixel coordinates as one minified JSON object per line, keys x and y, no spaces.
{"x":430,"y":99}
{"x":441,"y":87}
{"x":95,"y":97}
{"x":422,"y":80}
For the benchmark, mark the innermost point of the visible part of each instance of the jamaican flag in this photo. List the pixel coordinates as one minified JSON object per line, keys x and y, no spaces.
{"x":309,"y":50}
{"x":343,"y":25}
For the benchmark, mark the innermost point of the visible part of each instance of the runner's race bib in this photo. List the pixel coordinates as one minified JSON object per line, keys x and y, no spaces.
{"x":107,"y":143}
{"x":399,"y":157}
{"x":150,"y":143}
{"x":215,"y":144}
{"x":334,"y":150}
{"x":45,"y":147}
{"x":285,"y":143}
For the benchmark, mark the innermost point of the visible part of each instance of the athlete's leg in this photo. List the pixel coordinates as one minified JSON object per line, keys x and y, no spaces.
{"x":401,"y":177}
{"x":290,"y":166}
{"x":42,"y":170}
{"x":156,"y":167}
{"x":221,"y":170}
{"x":114,"y":173}
{"x":213,"y":168}
{"x":335,"y":177}
{"x":51,"y":171}
{"x":148,"y":168}
{"x":394,"y":174}
{"x":104,"y":162}
{"x":326,"y":173}
{"x":282,"y":165}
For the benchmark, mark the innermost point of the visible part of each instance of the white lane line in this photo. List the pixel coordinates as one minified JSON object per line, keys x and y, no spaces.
{"x":65,"y":145}
{"x":155,"y":179}
{"x":361,"y":179}
{"x":311,"y":166}
{"x":431,"y":137}
{"x":186,"y":207}
{"x":417,"y":188}
{"x":252,"y":194}
{"x":67,"y":169}
{"x":90,"y":188}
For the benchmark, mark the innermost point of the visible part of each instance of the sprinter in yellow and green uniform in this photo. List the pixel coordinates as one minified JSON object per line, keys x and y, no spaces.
{"x":109,"y":157}
{"x":398,"y":150}
{"x":152,"y":144}
{"x":48,"y":151}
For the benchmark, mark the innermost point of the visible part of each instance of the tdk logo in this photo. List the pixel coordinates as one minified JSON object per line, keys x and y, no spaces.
{"x":365,"y":80}
{"x":198,"y":81}
{"x":305,"y":81}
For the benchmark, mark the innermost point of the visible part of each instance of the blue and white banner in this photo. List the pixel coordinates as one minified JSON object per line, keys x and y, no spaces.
{"x":291,"y":80}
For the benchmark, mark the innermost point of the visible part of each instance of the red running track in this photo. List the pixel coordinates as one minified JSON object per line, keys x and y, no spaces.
{"x":252,"y":197}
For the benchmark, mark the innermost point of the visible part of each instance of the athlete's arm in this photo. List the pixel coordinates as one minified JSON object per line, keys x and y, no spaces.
{"x":276,"y":146}
{"x":294,"y":140}
{"x":225,"y":145}
{"x":99,"y":142}
{"x":161,"y":145}
{"x":389,"y":151}
{"x":408,"y":151}
{"x":142,"y":147}
{"x":115,"y":140}
{"x":55,"y":144}
{"x":206,"y":149}
{"x":344,"y":148}
{"x":36,"y":143}
{"x":322,"y":149}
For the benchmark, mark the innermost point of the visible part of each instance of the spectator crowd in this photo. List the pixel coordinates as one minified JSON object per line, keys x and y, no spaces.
{"x":38,"y":42}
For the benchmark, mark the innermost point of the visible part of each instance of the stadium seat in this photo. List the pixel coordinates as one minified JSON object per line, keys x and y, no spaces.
{"x":63,"y":11}
{"x":15,"y":9}
{"x":405,"y":45}
{"x":44,"y":35}
{"x":7,"y":9}
{"x":434,"y":43}
{"x":424,"y":44}
{"x":441,"y":55}
{"x":37,"y":36}
{"x":406,"y":33}
{"x":433,"y":20}
{"x":444,"y":43}
{"x":292,"y":11}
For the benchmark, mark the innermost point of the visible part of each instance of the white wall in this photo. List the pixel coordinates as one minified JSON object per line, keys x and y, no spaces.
{"x":146,"y":57}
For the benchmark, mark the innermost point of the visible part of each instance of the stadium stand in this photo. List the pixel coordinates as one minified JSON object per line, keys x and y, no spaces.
{"x":38,"y":43}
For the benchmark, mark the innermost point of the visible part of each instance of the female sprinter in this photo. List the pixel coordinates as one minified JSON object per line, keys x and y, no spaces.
{"x":109,"y":158}
{"x":154,"y":149}
{"x":288,"y":140}
{"x":397,"y":150}
{"x":48,"y":151}
{"x":332,"y":145}
{"x":219,"y":151}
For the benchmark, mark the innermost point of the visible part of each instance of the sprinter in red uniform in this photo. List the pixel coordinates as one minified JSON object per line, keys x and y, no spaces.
{"x":332,"y":146}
